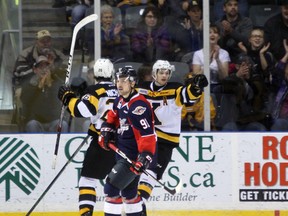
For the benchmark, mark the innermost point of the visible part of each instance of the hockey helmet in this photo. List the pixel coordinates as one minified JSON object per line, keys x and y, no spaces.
{"x":103,"y":68}
{"x":126,"y":71}
{"x":162,"y":65}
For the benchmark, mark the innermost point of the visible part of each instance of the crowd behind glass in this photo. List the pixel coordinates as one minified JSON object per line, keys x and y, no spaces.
{"x":248,"y":62}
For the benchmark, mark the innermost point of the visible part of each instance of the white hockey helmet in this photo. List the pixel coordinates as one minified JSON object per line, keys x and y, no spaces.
{"x":162,"y":65}
{"x":103,"y":68}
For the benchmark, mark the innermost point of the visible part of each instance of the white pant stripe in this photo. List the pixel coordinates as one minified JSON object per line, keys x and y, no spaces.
{"x":133,"y":207}
{"x":112,"y":208}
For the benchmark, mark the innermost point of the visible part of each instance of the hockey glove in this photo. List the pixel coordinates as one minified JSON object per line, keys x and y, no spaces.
{"x":143,"y":161}
{"x":65,"y":94}
{"x":198,"y":82}
{"x":107,"y":135}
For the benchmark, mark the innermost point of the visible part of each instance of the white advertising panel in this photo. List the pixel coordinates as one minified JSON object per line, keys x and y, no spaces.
{"x":230,"y":171}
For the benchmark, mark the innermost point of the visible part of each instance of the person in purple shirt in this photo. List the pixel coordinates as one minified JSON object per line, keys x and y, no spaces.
{"x":150,"y":40}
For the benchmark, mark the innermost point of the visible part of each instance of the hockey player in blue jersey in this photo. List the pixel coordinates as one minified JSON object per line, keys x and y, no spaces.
{"x":167,"y":100}
{"x":132,"y":118}
{"x":95,"y":104}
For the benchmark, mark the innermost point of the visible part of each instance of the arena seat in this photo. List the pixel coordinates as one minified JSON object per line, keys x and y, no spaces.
{"x":181,"y":69}
{"x":259,"y":14}
{"x":133,"y":15}
{"x":117,"y":16}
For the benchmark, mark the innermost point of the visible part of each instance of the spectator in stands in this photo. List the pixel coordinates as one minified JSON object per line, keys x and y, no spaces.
{"x":23,"y":69}
{"x":194,"y":25}
{"x":77,"y":14}
{"x":218,"y":11}
{"x":258,"y":51}
{"x":276,"y":31}
{"x":69,"y":5}
{"x":150,"y":40}
{"x":114,"y":43}
{"x":280,"y":105}
{"x":41,"y":108}
{"x":234,"y":28}
{"x":243,"y":113}
{"x":187,"y":33}
{"x":264,"y":64}
{"x":219,"y":59}
{"x":79,"y":11}
{"x":177,"y":9}
{"x":43,"y":46}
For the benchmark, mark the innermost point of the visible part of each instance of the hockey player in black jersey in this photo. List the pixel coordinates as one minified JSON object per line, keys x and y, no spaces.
{"x":167,"y":100}
{"x":132,"y":117}
{"x":95,"y":104}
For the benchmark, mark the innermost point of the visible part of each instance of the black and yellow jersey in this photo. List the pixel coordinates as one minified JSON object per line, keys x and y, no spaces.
{"x":94,"y":104}
{"x":167,"y":102}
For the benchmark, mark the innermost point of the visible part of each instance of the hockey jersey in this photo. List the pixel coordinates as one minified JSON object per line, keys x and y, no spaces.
{"x":133,"y":118}
{"x":95,"y":104}
{"x":167,"y":102}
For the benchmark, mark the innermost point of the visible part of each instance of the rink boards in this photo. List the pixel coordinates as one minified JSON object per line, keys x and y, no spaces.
{"x":221,"y":174}
{"x":173,"y":213}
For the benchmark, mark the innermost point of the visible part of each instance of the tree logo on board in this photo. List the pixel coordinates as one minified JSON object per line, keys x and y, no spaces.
{"x":20,"y":166}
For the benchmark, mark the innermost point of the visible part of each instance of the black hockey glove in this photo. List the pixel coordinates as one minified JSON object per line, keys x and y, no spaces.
{"x":198,"y":83}
{"x":65,"y":94}
{"x":107,"y":135}
{"x":143,"y":161}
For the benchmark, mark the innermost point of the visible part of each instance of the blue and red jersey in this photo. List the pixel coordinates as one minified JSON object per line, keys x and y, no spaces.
{"x":134,"y":120}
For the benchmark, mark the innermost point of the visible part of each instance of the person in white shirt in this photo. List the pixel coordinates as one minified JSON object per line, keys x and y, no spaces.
{"x":219,"y":59}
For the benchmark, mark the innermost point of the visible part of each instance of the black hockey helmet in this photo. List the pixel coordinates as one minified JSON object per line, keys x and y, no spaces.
{"x":126,"y":71}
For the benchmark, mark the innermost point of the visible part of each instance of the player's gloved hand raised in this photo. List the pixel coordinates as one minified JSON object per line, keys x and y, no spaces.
{"x":107,"y":135}
{"x":143,"y":161}
{"x":65,"y":94}
{"x":198,"y":83}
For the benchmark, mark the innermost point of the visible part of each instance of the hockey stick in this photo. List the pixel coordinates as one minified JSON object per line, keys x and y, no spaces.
{"x":124,"y":156}
{"x":79,"y":25}
{"x":57,"y":176}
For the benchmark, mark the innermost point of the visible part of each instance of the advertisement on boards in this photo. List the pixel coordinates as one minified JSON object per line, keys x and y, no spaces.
{"x":232,"y":171}
{"x":265,"y":169}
